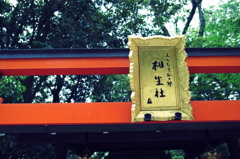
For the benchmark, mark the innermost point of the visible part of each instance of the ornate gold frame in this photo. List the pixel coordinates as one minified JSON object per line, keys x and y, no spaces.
{"x":182,"y":78}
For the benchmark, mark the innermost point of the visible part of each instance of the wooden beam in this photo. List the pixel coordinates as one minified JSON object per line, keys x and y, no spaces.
{"x":107,"y":65}
{"x":64,"y":66}
{"x":105,"y":113}
{"x":214,"y":64}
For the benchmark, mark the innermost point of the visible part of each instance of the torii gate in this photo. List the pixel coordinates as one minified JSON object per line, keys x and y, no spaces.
{"x":109,"y":123}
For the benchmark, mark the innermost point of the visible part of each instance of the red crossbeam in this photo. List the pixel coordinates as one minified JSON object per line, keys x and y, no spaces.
{"x":119,"y":112}
{"x":112,"y":112}
{"x":89,"y":66}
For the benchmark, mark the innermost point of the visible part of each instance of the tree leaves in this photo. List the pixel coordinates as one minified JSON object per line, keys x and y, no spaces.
{"x":107,"y":24}
{"x":12,"y":89}
{"x":215,"y":86}
{"x":222,"y":28}
{"x":112,"y":88}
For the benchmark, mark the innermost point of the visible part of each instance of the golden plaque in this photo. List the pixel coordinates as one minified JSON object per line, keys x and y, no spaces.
{"x":159,"y":79}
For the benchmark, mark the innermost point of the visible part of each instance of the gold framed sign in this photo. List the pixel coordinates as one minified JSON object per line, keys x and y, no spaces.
{"x":159,"y":78}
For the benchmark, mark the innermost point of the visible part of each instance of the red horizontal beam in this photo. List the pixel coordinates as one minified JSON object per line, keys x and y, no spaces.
{"x":214,"y":64}
{"x":101,"y":113}
{"x":108,"y":65}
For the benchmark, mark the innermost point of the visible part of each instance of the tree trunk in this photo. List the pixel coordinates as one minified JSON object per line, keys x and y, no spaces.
{"x":201,"y":19}
{"x":56,"y":91}
{"x":28,"y":83}
{"x":165,"y":31}
{"x":32,"y":87}
{"x":195,"y":4}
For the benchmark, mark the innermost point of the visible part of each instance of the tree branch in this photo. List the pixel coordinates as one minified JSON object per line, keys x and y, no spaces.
{"x":73,"y":92}
{"x":28,"y":83}
{"x":202,"y":20}
{"x":165,"y":31}
{"x":195,"y":4}
{"x":31,"y":90}
{"x":56,"y":91}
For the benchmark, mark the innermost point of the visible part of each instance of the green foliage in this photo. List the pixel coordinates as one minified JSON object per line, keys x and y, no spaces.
{"x":12,"y":89}
{"x":176,"y":154}
{"x":112,"y":88}
{"x":85,"y":24}
{"x":222,"y":86}
{"x":104,"y":23}
{"x":222,"y":27}
{"x":222,"y":30}
{"x":162,"y":11}
{"x":223,"y":149}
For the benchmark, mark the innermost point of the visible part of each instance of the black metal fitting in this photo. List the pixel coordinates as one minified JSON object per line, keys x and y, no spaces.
{"x":178,"y":116}
{"x":147,"y":117}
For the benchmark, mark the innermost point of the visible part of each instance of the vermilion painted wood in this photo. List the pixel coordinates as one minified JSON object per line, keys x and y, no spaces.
{"x":115,"y":65}
{"x":90,"y":113}
{"x":214,"y":64}
{"x":101,"y":113}
{"x":67,"y":66}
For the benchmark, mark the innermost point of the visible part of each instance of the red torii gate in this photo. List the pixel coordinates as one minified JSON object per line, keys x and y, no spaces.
{"x":218,"y":115}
